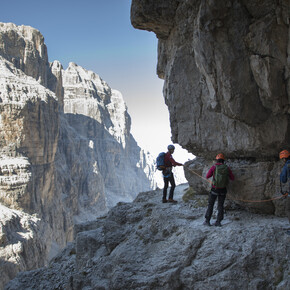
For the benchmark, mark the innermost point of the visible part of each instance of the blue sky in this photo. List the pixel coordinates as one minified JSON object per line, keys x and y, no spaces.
{"x":98,"y":35}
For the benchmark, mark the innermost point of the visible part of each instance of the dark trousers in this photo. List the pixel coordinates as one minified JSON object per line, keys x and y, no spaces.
{"x":168,"y":180}
{"x":211,"y":200}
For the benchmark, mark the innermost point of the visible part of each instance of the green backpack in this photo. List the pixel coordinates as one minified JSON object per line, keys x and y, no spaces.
{"x":221,"y":176}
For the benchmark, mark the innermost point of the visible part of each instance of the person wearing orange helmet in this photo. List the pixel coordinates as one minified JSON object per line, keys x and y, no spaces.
{"x":285,"y":177}
{"x":221,"y":174}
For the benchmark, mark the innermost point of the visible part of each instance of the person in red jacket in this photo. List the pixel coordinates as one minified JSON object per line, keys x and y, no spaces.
{"x":168,"y":177}
{"x":218,"y":190}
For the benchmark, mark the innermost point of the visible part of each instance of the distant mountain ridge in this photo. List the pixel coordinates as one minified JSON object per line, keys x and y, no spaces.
{"x":66,"y":151}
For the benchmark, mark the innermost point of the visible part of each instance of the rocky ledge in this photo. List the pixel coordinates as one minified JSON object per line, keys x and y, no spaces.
{"x":150,"y":245}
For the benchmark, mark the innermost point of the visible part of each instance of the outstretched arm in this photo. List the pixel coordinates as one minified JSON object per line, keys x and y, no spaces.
{"x":174,"y":163}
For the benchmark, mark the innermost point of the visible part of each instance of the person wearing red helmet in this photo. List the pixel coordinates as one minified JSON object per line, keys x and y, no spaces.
{"x":285,"y":177}
{"x":221,"y":174}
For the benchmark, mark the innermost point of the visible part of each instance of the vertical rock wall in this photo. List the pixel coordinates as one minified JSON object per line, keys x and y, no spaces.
{"x":227,"y":86}
{"x":29,"y":207}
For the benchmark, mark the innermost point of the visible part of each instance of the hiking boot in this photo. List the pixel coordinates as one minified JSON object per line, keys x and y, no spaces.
{"x":206,"y":223}
{"x":217,"y":224}
{"x":164,"y":200}
{"x":172,"y":200}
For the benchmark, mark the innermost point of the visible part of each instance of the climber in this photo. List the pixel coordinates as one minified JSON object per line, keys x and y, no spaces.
{"x":221,"y":174}
{"x":285,"y":177}
{"x":168,"y":175}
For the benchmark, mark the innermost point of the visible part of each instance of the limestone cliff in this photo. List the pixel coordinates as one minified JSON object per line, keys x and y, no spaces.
{"x":28,"y":144}
{"x":226,"y":68}
{"x":66,"y":151}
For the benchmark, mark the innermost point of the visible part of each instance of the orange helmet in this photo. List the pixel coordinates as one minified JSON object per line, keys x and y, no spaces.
{"x":220,"y":156}
{"x":284,"y":154}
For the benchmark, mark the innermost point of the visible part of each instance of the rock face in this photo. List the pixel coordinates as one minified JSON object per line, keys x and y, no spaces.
{"x":99,"y":116}
{"x":137,"y":246}
{"x":226,"y":68}
{"x":66,"y":151}
{"x":24,"y":46}
{"x":21,"y":243}
{"x":28,"y":140}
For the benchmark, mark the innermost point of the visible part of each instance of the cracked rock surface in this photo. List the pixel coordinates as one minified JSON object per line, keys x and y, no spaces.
{"x":150,"y":245}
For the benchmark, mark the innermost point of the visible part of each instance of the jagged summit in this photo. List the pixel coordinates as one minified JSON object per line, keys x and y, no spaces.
{"x":79,"y":77}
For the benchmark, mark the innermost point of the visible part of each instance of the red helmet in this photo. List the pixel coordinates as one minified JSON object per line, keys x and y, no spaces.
{"x":220,"y":156}
{"x":284,"y":154}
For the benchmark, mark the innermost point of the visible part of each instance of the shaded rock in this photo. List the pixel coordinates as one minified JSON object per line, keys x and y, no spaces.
{"x":54,"y":81}
{"x":28,"y":143}
{"x":154,"y":16}
{"x":99,"y":115}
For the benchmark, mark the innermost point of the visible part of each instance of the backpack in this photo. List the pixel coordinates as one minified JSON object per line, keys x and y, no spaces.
{"x":221,"y":176}
{"x":160,"y":161}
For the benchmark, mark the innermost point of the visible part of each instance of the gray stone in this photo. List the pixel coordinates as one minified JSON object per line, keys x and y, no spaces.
{"x":155,"y":17}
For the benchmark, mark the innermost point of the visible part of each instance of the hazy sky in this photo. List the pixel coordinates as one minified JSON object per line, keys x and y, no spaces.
{"x":98,"y":35}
